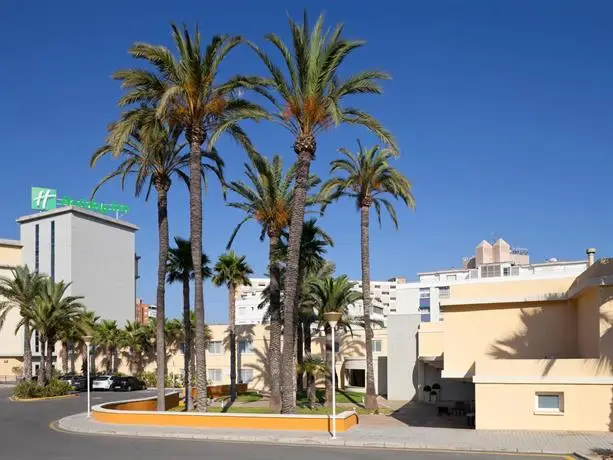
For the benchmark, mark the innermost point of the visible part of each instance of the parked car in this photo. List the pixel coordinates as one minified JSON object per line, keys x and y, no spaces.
{"x":68,"y":378}
{"x":127,"y":384}
{"x":102,"y":382}
{"x":80,"y":383}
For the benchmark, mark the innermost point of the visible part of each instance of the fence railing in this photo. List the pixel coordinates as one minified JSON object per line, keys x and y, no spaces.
{"x":4,"y":379}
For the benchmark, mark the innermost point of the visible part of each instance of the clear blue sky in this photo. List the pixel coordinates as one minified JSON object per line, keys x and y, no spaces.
{"x":503,"y":112}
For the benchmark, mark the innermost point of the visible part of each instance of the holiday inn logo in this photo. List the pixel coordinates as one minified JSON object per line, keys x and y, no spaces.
{"x":44,"y":199}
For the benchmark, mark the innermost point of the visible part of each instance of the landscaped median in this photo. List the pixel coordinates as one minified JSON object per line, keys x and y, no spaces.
{"x":142,"y":412}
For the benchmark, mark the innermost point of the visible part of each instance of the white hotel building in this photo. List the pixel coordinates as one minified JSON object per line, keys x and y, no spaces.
{"x":383,"y":293}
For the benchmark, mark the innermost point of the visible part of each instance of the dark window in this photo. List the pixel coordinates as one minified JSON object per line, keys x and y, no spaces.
{"x":36,"y":340}
{"x":36,"y":247}
{"x":52,"y":250}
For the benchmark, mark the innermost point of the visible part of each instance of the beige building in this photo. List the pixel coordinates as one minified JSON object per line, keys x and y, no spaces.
{"x":534,"y":354}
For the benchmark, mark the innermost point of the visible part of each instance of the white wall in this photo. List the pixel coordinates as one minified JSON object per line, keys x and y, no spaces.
{"x":103,"y":267}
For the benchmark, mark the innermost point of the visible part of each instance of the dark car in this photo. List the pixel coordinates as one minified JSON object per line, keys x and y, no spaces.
{"x":68,"y":378}
{"x":80,"y":383}
{"x":127,"y":384}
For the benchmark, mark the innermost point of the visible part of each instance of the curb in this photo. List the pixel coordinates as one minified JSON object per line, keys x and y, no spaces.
{"x":62,"y":426}
{"x":46,"y":398}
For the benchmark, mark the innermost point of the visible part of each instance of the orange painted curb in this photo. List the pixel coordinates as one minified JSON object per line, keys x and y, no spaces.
{"x":142,"y":412}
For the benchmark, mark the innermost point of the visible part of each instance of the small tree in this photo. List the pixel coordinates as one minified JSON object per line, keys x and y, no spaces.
{"x":313,"y":367}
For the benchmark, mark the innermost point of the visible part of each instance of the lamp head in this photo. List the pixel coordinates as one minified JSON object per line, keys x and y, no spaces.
{"x":332,"y":317}
{"x":87,"y":339}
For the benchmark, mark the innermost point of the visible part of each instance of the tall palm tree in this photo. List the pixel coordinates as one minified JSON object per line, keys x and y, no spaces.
{"x":233,"y":271}
{"x":332,"y":295}
{"x":19,"y":291}
{"x":365,"y":178}
{"x":311,"y":93}
{"x":312,"y":366}
{"x":153,"y":153}
{"x":267,"y":200}
{"x":53,"y":310}
{"x":107,"y":336}
{"x":132,"y":340}
{"x":181,"y":270}
{"x":71,"y":334}
{"x":187,"y":93}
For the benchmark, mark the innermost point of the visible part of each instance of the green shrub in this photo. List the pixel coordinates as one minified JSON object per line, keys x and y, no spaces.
{"x":57,"y":387}
{"x":30,"y":390}
{"x":26,"y":389}
{"x":149,"y":378}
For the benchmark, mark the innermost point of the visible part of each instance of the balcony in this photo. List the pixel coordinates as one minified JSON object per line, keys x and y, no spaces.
{"x":430,"y":340}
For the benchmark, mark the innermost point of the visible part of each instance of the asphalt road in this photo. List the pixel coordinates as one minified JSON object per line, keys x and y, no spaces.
{"x":25,"y":433}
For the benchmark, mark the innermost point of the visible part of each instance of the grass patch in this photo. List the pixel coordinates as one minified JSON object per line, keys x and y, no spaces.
{"x":342,"y":396}
{"x":248,"y":397}
{"x":299,"y":410}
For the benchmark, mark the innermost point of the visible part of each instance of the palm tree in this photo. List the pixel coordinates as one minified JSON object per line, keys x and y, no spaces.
{"x":181,"y":269}
{"x":233,"y":271}
{"x":312,"y":366}
{"x":107,"y":336}
{"x":185,"y":89}
{"x":132,"y":339}
{"x":53,"y":310}
{"x":71,"y":334}
{"x":311,"y":94}
{"x":267,"y":200}
{"x":152,"y":153}
{"x":365,"y":177}
{"x":19,"y":291}
{"x":332,"y":295}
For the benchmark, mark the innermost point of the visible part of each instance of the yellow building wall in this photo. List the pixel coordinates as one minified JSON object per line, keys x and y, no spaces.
{"x":529,"y":330}
{"x":6,"y":368}
{"x":10,"y":255}
{"x":588,"y":323}
{"x":513,"y":407}
{"x":510,"y":288}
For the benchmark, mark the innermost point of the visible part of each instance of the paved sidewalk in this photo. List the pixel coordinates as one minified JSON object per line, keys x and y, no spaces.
{"x":367,"y":434}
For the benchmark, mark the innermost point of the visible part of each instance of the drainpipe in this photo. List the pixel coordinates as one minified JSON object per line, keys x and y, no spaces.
{"x":591,"y":254}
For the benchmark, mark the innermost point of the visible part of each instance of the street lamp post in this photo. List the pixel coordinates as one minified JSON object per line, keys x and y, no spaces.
{"x":88,"y":340}
{"x":332,"y":318}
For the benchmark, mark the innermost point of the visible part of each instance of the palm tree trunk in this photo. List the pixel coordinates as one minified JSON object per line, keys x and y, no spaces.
{"x":329,"y":349}
{"x":49,"y":358}
{"x":370,"y":401}
{"x":187,"y":347}
{"x":300,"y":356}
{"x":64,"y":357}
{"x":195,"y":137}
{"x":311,"y":390}
{"x":162,"y":190}
{"x":274,"y":358}
{"x":288,"y":363}
{"x":27,"y":352}
{"x":307,"y":350}
{"x":41,"y":364}
{"x":72,"y":358}
{"x":232,"y":329}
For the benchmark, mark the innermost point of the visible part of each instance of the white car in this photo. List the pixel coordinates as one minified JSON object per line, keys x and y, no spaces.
{"x":102,"y":382}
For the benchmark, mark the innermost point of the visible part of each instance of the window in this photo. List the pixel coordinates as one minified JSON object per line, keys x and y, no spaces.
{"x":214,"y":375}
{"x":261,"y":284}
{"x":424,"y":293}
{"x":490,"y":271}
{"x":506,"y":271}
{"x":392,"y":287}
{"x":549,"y":402}
{"x":377,"y":310}
{"x":52,"y":250}
{"x":392,"y":298}
{"x":214,"y":347}
{"x":376,"y":346}
{"x":452,"y":277}
{"x":444,"y":292}
{"x":36,"y":248}
{"x":385,"y":293}
{"x":36,"y":342}
{"x":245,"y":375}
{"x":377,"y":286}
{"x":245,"y":346}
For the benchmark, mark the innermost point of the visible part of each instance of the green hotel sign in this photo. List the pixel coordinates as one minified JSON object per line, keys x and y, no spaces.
{"x":44,"y":199}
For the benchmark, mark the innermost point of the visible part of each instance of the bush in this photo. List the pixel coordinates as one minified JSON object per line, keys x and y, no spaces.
{"x":149,"y":378}
{"x":30,"y":390}
{"x":26,"y":389}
